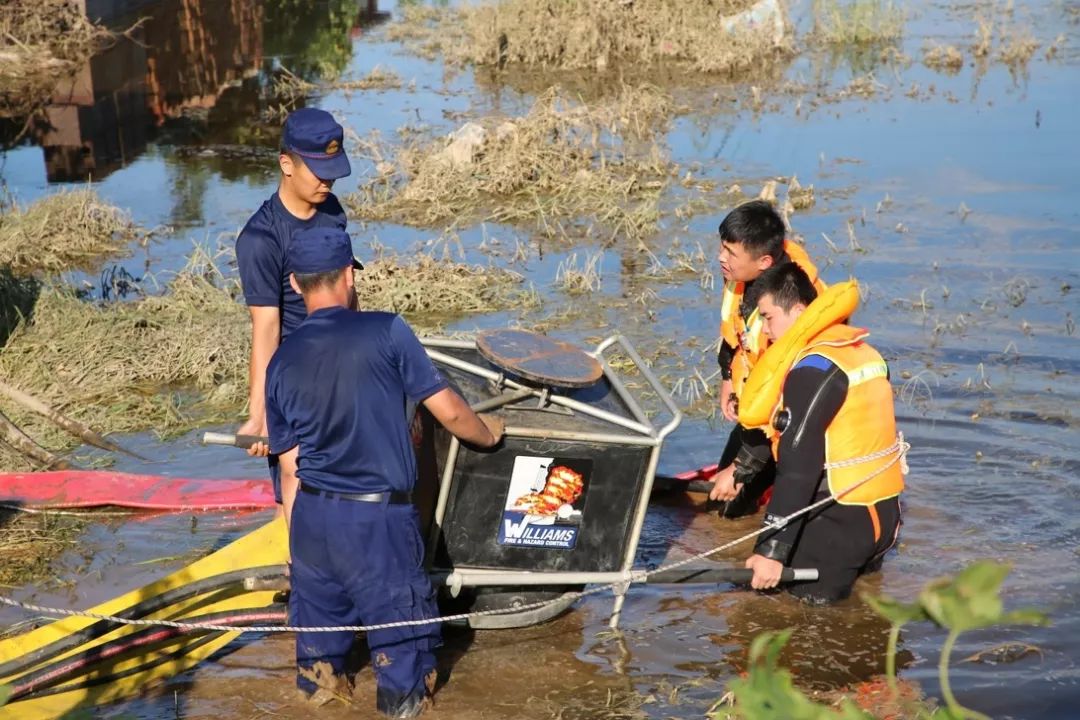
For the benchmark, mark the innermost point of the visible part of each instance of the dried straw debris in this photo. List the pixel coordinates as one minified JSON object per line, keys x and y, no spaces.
{"x":702,"y":35}
{"x":561,"y":161}
{"x":287,"y":91}
{"x":173,"y":361}
{"x":857,"y":22}
{"x":63,"y":231}
{"x":427,"y":290}
{"x":42,"y":42}
{"x":29,"y":543}
{"x":946,"y":58}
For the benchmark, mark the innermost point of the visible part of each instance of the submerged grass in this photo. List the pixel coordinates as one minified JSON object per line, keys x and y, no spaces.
{"x":131,"y":366}
{"x":700,"y":35}
{"x":705,"y":35}
{"x":946,"y":58}
{"x":580,"y":280}
{"x":63,"y":231}
{"x":172,"y":361}
{"x":29,"y":543}
{"x":1015,"y":45}
{"x":562,"y":160}
{"x":287,"y":90}
{"x":1017,"y":48}
{"x":857,"y":22}
{"x":41,"y":43}
{"x":427,"y":290}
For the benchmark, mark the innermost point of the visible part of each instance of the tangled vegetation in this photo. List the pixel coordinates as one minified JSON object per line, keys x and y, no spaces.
{"x":171,"y":361}
{"x":63,"y":231}
{"x":288,"y":90}
{"x":427,"y":290}
{"x":946,"y":58}
{"x":42,"y":42}
{"x":706,"y":36}
{"x":701,"y":35}
{"x":857,"y":22}
{"x":28,"y":543}
{"x":560,"y":161}
{"x":128,"y":366}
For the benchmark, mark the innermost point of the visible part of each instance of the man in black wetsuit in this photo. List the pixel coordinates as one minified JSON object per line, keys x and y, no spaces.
{"x":751,"y":241}
{"x":836,"y":427}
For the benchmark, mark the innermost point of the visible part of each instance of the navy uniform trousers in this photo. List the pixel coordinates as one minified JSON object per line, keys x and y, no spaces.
{"x":359,"y":563}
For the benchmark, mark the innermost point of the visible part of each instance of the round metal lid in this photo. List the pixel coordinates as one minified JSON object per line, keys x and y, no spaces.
{"x":539,"y":358}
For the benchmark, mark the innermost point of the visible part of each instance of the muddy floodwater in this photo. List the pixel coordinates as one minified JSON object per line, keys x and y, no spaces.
{"x":951,"y":195}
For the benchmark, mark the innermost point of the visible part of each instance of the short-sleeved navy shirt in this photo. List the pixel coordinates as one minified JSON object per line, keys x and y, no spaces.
{"x":261,"y":249}
{"x":337,"y":388}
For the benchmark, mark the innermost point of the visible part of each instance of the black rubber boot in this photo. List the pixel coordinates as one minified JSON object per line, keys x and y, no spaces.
{"x":397,"y":705}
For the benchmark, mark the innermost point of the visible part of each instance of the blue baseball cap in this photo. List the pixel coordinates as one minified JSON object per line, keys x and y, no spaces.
{"x":318,"y":139}
{"x":320,"y":249}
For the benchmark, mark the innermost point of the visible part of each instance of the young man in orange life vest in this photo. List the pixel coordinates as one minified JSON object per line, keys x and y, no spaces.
{"x":834,"y":410}
{"x":751,"y":242}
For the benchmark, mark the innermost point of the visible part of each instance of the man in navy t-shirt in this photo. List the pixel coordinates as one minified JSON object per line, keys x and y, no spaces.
{"x":312,"y":158}
{"x":336,"y":396}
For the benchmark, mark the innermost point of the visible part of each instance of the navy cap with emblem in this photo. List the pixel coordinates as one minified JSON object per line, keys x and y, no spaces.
{"x":318,"y":140}
{"x":321,"y":249}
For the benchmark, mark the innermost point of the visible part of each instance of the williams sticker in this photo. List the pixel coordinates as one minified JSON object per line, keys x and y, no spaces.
{"x":544,"y":503}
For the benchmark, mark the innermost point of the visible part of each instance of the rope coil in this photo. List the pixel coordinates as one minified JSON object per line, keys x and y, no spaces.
{"x":899,"y":450}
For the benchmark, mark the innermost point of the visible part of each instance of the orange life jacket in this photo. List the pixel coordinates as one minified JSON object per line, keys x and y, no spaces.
{"x":747,"y":336}
{"x":865,"y":425}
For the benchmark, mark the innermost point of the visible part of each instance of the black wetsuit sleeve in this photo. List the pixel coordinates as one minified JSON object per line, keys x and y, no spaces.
{"x":813,"y":393}
{"x":724,"y":356}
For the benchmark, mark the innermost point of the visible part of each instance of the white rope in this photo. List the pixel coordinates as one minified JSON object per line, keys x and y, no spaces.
{"x":899,"y":446}
{"x":899,"y":451}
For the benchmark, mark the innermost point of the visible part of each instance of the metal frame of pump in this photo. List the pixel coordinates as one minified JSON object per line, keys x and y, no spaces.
{"x":646,"y":434}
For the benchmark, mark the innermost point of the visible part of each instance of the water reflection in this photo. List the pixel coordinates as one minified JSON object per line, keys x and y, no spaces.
{"x":189,"y":73}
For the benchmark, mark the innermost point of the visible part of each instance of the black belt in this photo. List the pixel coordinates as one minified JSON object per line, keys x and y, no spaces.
{"x":393,"y":498}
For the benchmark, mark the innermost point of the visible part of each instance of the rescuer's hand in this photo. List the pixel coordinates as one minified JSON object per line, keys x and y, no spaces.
{"x":257,"y":427}
{"x":724,"y":485}
{"x":495,"y":425}
{"x":729,"y":406}
{"x":766,"y":572}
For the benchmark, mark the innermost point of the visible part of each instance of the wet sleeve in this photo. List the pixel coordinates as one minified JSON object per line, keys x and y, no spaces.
{"x":260,"y":267}
{"x":813,"y":393}
{"x":419,"y":376}
{"x":282,"y":437}
{"x":724,"y":356}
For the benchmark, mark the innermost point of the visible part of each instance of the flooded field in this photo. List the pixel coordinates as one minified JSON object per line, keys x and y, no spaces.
{"x":948,"y":188}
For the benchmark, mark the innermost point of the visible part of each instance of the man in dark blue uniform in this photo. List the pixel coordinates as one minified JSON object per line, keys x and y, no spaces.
{"x":312,"y":157}
{"x":336,"y":397}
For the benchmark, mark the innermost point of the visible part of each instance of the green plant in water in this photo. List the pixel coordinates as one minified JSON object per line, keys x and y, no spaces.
{"x":768,"y":692}
{"x":858,"y":22}
{"x":970,"y":600}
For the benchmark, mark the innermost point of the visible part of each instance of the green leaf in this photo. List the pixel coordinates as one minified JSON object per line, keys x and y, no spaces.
{"x":894,"y":611}
{"x":968,"y":601}
{"x":5,"y":693}
{"x":1026,"y":616}
{"x":768,"y":693}
{"x":769,"y":645}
